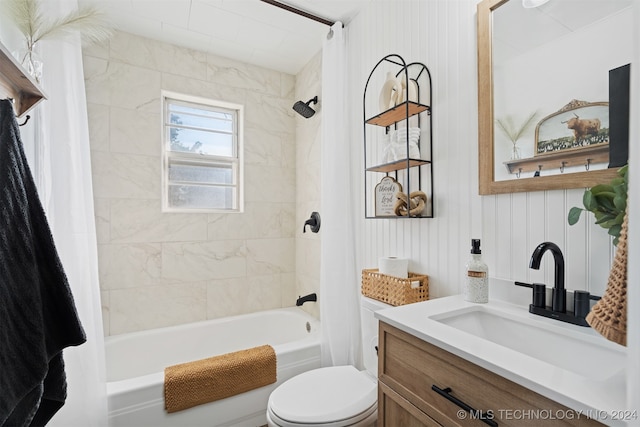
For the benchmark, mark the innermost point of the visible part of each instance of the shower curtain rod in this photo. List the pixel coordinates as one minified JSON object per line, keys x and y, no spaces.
{"x":299,"y":12}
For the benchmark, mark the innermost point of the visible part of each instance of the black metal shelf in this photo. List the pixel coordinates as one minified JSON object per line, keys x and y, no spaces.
{"x":408,"y":171}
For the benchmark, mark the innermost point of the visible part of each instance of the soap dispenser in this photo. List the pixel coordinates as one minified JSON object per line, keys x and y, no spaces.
{"x":476,"y":287}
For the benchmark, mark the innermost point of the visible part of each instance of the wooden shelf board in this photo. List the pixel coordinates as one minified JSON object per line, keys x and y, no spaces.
{"x":16,"y":83}
{"x":397,"y":217}
{"x":596,"y":154}
{"x":397,"y":113}
{"x":397,"y":165}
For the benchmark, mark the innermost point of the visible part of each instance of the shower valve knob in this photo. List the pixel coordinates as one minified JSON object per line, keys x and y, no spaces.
{"x":313,"y":223}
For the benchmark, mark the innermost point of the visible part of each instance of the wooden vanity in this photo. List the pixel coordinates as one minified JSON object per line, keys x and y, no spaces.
{"x":411,"y":371}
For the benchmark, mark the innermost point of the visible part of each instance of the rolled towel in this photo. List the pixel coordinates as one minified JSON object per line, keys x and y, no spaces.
{"x":202,"y":381}
{"x":399,"y":143}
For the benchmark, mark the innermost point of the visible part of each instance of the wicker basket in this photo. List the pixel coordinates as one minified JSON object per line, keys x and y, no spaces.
{"x":609,"y":315}
{"x":395,"y":290}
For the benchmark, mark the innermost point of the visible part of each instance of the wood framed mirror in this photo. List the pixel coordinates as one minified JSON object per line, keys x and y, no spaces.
{"x":527,"y":70}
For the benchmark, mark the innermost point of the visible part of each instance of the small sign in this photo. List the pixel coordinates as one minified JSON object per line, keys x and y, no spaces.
{"x":386,"y":191}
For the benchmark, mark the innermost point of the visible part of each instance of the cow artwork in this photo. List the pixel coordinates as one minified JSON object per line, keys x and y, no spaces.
{"x":566,"y":129}
{"x":583,"y":127}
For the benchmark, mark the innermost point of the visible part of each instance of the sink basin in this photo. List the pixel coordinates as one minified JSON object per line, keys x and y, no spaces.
{"x":574,"y":348}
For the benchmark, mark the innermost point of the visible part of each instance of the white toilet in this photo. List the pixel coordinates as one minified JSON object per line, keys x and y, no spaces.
{"x":336,"y":396}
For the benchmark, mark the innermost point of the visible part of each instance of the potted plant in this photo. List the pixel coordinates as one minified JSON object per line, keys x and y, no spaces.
{"x":607,"y":202}
{"x":513,"y":132}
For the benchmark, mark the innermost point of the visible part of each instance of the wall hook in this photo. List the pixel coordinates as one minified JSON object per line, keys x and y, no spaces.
{"x":587,"y":165}
{"x":518,"y":173}
{"x":13,"y":101}
{"x":538,"y":171}
{"x":562,"y":166}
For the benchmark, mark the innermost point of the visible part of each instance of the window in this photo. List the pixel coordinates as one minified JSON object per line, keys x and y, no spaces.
{"x":202,"y":155}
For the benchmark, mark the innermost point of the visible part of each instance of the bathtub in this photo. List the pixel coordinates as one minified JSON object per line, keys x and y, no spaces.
{"x":136,"y":362}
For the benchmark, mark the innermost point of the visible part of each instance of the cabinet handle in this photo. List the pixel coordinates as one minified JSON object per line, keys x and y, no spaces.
{"x":446,"y":394}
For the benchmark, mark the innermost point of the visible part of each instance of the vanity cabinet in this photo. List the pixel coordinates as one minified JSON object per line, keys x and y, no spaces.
{"x":409,"y":369}
{"x":398,"y":139}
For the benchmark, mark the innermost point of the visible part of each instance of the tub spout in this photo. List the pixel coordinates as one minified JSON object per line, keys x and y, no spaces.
{"x":311,"y":297}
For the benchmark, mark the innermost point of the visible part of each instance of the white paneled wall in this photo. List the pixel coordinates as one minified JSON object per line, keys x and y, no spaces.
{"x":516,"y":223}
{"x":442,"y":35}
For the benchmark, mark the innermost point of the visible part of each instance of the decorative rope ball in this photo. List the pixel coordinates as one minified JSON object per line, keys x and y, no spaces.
{"x":412,"y":207}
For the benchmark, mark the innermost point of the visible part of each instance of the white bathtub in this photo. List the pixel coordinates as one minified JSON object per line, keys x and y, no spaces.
{"x":136,"y":362}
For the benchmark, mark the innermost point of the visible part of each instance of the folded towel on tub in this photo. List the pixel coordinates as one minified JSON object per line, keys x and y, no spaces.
{"x":202,"y":381}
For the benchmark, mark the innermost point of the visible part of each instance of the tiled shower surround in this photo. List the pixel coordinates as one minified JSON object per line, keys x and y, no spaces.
{"x":159,"y":269}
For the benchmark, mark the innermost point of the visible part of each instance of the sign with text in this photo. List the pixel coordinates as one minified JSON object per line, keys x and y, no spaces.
{"x":386,"y":191}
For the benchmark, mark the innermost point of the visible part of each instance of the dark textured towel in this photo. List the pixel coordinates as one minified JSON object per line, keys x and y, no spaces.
{"x":37,"y":315}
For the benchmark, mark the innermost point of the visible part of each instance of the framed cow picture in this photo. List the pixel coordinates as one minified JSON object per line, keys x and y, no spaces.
{"x":577,"y":125}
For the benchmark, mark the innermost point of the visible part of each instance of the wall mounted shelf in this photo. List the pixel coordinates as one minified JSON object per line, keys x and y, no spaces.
{"x":392,"y":145}
{"x":397,"y":165}
{"x":560,"y":159}
{"x":398,"y":113}
{"x":17,"y":84}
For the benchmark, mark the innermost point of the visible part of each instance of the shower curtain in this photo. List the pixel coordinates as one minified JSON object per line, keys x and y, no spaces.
{"x":339,"y":285}
{"x":62,"y":172}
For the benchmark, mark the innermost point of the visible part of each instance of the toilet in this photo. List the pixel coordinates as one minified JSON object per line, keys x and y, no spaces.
{"x":336,"y":396}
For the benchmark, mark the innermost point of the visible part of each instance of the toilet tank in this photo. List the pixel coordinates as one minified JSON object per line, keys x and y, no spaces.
{"x":368,"y":307}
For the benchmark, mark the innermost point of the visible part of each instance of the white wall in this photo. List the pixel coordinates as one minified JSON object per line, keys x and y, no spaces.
{"x":442,"y":35}
{"x":633,"y":320}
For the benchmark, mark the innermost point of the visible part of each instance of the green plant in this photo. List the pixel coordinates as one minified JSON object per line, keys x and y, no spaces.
{"x":37,"y":25}
{"x":607,"y":202}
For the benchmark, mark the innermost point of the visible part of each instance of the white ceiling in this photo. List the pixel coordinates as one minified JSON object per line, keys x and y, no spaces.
{"x":247,"y":30}
{"x":517,"y":30}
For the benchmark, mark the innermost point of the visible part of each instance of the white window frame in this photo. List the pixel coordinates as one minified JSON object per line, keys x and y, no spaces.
{"x":236,"y":162}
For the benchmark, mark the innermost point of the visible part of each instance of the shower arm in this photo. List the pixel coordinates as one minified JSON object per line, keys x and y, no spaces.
{"x":299,"y":12}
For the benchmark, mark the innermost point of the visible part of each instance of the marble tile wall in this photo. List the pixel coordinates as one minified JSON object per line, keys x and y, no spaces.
{"x":159,"y":269}
{"x":308,"y":173}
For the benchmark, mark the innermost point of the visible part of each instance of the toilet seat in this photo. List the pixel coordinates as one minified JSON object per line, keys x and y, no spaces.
{"x":336,"y":396}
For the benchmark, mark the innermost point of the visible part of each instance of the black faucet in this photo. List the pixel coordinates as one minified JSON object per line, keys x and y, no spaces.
{"x":306,"y":298}
{"x":558,"y":309}
{"x":559,"y":294}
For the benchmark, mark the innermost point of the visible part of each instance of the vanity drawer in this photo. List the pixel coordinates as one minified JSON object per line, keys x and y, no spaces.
{"x":410,"y":367}
{"x":398,"y":411}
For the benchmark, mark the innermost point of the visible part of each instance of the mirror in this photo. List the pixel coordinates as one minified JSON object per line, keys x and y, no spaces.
{"x":548,"y":66}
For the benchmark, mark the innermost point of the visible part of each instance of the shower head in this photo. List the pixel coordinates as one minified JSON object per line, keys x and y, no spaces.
{"x":304,"y":109}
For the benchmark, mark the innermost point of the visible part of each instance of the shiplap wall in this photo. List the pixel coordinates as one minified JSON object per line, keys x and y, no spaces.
{"x":442,"y":35}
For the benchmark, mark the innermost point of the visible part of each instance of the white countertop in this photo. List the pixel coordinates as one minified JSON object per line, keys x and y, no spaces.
{"x":586,"y":395}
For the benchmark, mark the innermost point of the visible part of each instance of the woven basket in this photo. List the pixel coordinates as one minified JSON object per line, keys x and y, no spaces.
{"x":609,"y":315}
{"x":395,"y":290}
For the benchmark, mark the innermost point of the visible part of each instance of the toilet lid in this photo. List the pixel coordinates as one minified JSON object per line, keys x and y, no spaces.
{"x":324,"y":395}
